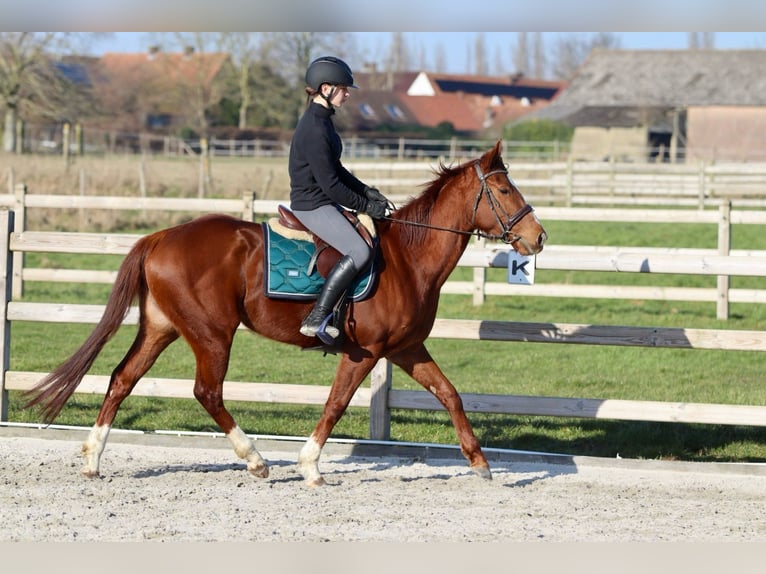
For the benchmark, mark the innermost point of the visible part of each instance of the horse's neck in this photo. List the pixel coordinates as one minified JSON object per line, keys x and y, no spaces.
{"x":442,"y":252}
{"x":435,"y":258}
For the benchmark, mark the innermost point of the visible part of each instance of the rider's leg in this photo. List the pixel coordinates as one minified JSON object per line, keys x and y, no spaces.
{"x":332,"y":227}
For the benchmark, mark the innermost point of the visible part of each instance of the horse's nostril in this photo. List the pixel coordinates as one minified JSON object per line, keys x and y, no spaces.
{"x":542,"y":239}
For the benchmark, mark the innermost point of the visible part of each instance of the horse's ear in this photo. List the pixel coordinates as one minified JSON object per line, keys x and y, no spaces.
{"x":493,"y":157}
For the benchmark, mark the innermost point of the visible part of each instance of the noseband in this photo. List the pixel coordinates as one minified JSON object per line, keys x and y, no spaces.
{"x":506,"y":222}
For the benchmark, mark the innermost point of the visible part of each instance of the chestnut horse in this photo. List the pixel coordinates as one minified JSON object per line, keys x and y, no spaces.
{"x":201,"y":279}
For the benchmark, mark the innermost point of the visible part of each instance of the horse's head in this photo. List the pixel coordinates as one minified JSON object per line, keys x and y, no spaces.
{"x":500,"y":210}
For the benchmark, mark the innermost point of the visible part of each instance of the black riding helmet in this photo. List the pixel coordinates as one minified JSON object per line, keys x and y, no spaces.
{"x":329,"y":70}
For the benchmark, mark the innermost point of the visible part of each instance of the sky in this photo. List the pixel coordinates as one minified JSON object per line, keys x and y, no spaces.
{"x":457,"y":46}
{"x":648,"y":24}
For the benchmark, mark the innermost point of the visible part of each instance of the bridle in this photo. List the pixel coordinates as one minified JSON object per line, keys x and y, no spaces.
{"x":506,"y":222}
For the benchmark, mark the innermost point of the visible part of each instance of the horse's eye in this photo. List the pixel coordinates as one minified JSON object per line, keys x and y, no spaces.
{"x":505,"y":190}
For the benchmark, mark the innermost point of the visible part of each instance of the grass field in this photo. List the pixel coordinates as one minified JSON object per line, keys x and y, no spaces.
{"x":491,"y":367}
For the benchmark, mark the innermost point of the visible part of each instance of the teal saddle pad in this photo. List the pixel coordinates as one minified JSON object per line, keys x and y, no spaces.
{"x":287,"y":274}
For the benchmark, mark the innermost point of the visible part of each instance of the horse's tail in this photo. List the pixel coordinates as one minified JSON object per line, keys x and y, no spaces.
{"x":52,"y":392}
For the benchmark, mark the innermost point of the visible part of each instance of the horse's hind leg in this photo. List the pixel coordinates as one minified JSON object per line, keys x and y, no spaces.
{"x":418,"y":364}
{"x":147,"y":346}
{"x":212,"y":363}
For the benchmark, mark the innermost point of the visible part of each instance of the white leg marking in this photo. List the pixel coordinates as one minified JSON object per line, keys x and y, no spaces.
{"x":244,"y":447}
{"x":92,"y":449}
{"x":308,"y":460}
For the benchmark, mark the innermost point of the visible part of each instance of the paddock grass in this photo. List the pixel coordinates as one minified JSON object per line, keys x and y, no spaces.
{"x":561,"y":370}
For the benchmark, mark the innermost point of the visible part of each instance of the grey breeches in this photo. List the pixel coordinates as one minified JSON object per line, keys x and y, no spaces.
{"x":333,"y":227}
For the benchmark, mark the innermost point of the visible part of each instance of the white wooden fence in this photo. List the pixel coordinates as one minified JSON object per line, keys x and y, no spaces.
{"x":381,"y":397}
{"x":572,"y":183}
{"x":554,"y":257}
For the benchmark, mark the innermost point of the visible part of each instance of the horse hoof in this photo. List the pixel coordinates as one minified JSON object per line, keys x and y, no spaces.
{"x":88,"y":473}
{"x":315,"y":482}
{"x":482,"y":471}
{"x":259,"y":470}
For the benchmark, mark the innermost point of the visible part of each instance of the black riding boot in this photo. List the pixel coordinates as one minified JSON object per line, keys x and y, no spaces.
{"x":334,"y":287}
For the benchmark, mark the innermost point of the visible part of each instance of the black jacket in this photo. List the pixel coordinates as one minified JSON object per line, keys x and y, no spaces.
{"x":317,"y":176}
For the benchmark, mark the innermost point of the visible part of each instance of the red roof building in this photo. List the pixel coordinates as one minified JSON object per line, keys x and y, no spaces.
{"x":472,"y":104}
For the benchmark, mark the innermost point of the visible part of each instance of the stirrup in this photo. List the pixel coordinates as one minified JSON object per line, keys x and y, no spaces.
{"x":322,"y":333}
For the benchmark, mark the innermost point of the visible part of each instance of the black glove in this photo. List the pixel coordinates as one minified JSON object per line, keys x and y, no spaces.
{"x":373,"y":194}
{"x":376,"y":209}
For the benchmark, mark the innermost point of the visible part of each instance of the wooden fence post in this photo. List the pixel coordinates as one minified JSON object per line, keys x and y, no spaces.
{"x":19,"y":257}
{"x":701,"y":186}
{"x":6,"y":271}
{"x":82,"y":218}
{"x":204,"y":167}
{"x":248,"y":198}
{"x":380,"y":415}
{"x":65,"y":141}
{"x":570,"y":182}
{"x":479,"y":278}
{"x":724,"y":248}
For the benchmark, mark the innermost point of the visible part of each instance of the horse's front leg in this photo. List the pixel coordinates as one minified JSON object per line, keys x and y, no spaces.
{"x":348,"y":377}
{"x":418,"y":364}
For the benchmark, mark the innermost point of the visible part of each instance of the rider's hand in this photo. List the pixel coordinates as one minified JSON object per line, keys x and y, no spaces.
{"x":373,"y":194}
{"x":376,"y":209}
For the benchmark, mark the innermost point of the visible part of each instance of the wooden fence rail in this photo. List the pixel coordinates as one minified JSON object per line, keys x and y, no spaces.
{"x":381,"y":397}
{"x":248,"y":207}
{"x":571,"y":183}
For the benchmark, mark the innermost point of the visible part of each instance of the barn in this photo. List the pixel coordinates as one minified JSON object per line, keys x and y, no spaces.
{"x":666,"y":105}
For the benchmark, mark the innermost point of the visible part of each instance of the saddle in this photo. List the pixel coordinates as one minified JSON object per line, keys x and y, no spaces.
{"x":296,"y":263}
{"x":325,"y":257}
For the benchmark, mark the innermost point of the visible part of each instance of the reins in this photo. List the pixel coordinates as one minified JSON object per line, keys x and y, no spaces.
{"x":507,"y":236}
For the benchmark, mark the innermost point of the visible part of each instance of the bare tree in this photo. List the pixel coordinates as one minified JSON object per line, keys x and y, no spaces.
{"x":481,"y":67}
{"x":571,"y":50}
{"x":701,"y":40}
{"x":521,"y":54}
{"x":498,"y":66}
{"x":538,"y":56}
{"x":194,"y":73}
{"x":399,"y":56}
{"x":693,"y":40}
{"x":28,"y":82}
{"x":440,"y":59}
{"x":243,"y":47}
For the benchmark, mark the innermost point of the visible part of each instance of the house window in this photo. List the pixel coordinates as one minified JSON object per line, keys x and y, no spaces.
{"x":367,"y":112}
{"x":395,"y":112}
{"x":158,"y":121}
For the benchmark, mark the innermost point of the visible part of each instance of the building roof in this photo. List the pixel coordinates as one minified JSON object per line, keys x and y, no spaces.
{"x":470,"y":103}
{"x":171,"y":67}
{"x":661,"y":79}
{"x":76,"y":69}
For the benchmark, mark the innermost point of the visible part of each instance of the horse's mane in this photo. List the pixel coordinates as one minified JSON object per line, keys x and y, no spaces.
{"x":419,"y":209}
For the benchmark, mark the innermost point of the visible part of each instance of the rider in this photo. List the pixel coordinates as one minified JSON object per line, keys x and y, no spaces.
{"x":320,"y":186}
